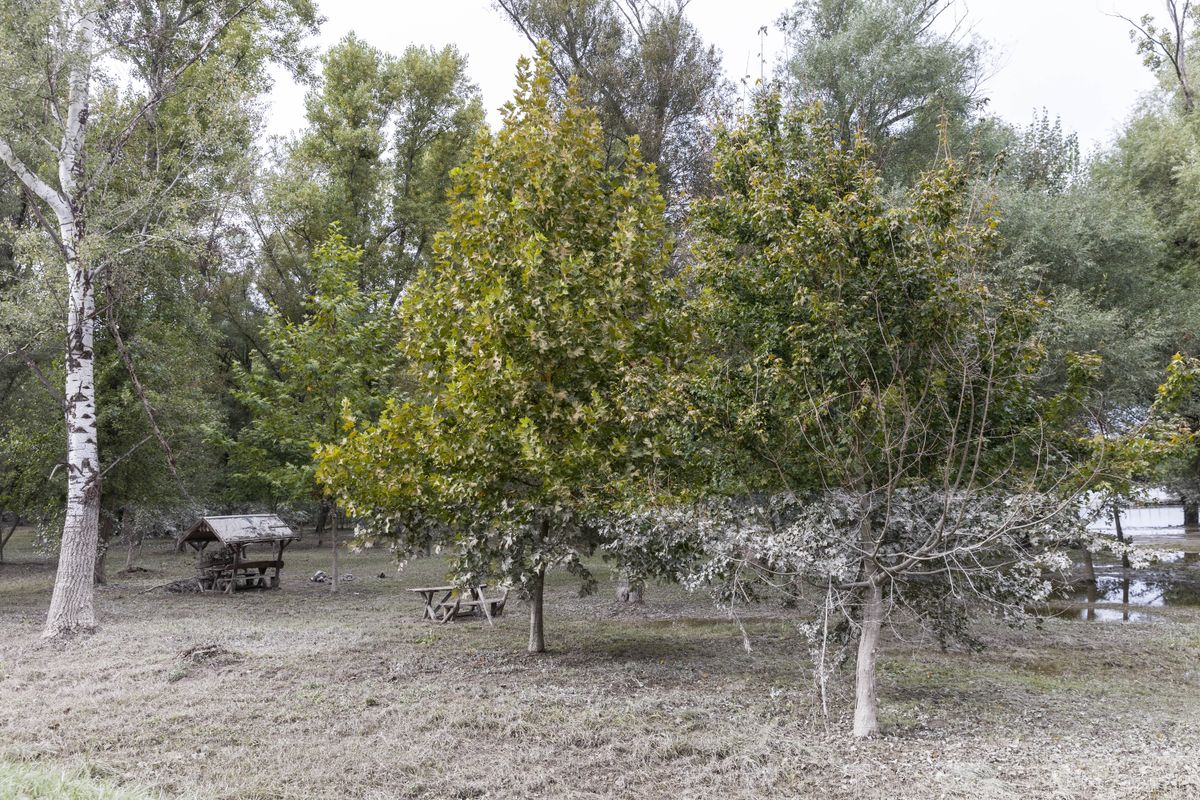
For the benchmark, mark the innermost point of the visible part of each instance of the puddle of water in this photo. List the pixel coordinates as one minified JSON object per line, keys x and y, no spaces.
{"x":1111,"y":615}
{"x":1173,"y":581}
{"x":1127,"y":591}
{"x":1111,"y":600}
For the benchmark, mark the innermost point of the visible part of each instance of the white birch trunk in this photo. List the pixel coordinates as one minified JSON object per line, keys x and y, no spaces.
{"x":72,"y":606}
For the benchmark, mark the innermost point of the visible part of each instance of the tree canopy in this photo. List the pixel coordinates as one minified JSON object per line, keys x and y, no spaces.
{"x":533,"y":338}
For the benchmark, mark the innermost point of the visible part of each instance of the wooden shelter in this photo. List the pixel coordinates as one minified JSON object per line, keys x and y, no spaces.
{"x":250,"y":546}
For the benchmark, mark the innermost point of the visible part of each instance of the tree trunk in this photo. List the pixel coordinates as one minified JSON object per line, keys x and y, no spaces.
{"x":1089,"y":575}
{"x":99,"y":572}
{"x":1120,"y":535}
{"x":322,"y":521}
{"x":333,"y":587}
{"x":110,"y":527}
{"x":1191,"y":514}
{"x":865,"y":722}
{"x":537,"y":639}
{"x":133,"y":539}
{"x":4,"y":537}
{"x":1125,"y":597}
{"x":1089,"y":567}
{"x":629,"y":591}
{"x":72,"y":605}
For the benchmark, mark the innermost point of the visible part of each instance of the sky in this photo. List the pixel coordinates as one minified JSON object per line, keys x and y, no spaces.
{"x":1072,"y":57}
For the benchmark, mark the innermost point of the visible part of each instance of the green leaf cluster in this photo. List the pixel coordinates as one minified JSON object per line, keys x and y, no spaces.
{"x":535,"y":341}
{"x":340,"y":358}
{"x":847,"y":343}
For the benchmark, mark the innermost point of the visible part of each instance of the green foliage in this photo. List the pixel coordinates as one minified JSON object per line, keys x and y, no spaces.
{"x":1153,"y":166}
{"x":1154,"y":160}
{"x":840,"y":333}
{"x":1090,"y":245}
{"x":1121,"y":461}
{"x":1166,"y":48}
{"x":1046,"y":157}
{"x":341,"y":356}
{"x":168,"y":147}
{"x":645,"y":69}
{"x":880,"y":67}
{"x":384,"y":134}
{"x":863,"y":406}
{"x":535,"y":339}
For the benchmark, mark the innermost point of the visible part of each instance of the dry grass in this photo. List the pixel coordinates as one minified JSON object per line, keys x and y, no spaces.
{"x":299,"y":694}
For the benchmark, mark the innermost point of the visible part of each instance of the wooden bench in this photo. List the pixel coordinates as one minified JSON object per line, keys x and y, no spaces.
{"x":490,"y":606}
{"x":224,"y":577}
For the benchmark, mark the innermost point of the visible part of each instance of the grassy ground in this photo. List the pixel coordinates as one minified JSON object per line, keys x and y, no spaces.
{"x":300,"y":694}
{"x":31,"y":782}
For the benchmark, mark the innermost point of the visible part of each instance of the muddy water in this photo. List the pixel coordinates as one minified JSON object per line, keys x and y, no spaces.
{"x":1136,"y":595}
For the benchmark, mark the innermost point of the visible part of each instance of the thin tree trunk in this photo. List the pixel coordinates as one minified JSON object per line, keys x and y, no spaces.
{"x":99,"y":578}
{"x":1191,"y":514}
{"x":322,"y":522}
{"x":1089,"y":575}
{"x":336,"y":576}
{"x":1089,"y":567}
{"x":1120,"y":535}
{"x":4,"y":537}
{"x":99,"y":573}
{"x":865,"y":722}
{"x":133,"y":539}
{"x":537,"y":639}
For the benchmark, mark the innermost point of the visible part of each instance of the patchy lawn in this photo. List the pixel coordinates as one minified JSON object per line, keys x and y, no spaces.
{"x":300,"y":694}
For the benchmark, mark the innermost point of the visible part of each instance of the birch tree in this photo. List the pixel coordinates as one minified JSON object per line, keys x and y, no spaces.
{"x":66,"y":157}
{"x":73,"y":33}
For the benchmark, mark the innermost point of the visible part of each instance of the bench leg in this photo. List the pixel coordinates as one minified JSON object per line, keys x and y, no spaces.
{"x":450,"y":612}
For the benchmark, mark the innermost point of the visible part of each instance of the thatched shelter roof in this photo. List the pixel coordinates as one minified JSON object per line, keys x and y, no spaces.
{"x":239,"y":529}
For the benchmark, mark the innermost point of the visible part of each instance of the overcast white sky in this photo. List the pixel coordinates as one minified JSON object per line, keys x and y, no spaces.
{"x":1070,"y":56}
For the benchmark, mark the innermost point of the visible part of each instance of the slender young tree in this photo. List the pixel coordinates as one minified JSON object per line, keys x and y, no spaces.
{"x":340,"y":358}
{"x":861,"y":394}
{"x":532,"y":339}
{"x":1166,"y":47}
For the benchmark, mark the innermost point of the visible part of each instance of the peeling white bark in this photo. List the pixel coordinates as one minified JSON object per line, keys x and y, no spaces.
{"x":72,"y":606}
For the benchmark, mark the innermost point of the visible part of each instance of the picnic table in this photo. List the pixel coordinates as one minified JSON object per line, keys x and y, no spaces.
{"x":241,"y":574}
{"x":444,"y":603}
